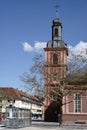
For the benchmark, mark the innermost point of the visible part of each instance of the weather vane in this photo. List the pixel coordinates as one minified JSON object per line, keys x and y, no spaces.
{"x":57,"y":10}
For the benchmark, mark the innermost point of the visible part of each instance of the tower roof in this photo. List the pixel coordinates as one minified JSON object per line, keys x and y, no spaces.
{"x":56,"y":43}
{"x":57,"y":21}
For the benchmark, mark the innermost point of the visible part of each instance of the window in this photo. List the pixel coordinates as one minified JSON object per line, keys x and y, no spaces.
{"x":56,"y":32}
{"x":55,"y":59}
{"x":77,"y":103}
{"x":1,"y":95}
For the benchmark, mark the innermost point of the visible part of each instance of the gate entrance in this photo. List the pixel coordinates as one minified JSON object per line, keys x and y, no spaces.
{"x":52,"y":112}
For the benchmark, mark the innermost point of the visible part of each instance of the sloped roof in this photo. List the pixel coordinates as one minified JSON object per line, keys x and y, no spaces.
{"x":14,"y":93}
{"x":79,"y":77}
{"x":56,"y":44}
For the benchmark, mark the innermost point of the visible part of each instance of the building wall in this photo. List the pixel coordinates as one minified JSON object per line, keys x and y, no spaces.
{"x":21,"y":104}
{"x":69,"y":114}
{"x":75,"y":118}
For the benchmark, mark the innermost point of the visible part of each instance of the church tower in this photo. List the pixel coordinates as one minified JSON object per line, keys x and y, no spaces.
{"x":55,"y":68}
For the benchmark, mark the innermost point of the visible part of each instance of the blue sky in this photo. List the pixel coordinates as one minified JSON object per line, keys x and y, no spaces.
{"x":25,"y":25}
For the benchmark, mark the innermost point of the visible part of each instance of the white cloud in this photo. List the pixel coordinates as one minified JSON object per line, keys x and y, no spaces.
{"x":79,"y":50}
{"x":77,"y":55}
{"x":39,"y":45}
{"x":27,"y":47}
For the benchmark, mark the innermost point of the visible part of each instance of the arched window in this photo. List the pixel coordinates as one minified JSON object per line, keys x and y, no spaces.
{"x":77,"y":103}
{"x":55,"y":59}
{"x":56,"y":32}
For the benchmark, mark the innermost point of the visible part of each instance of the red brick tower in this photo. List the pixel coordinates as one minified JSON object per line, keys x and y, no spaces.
{"x":55,"y":67}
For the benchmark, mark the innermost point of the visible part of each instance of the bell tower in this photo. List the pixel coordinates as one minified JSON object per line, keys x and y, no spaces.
{"x":55,"y":67}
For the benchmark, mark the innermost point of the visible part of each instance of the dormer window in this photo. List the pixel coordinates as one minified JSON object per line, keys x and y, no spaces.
{"x":55,"y":59}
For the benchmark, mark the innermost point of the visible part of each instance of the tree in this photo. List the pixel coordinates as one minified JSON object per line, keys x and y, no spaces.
{"x":61,"y":87}
{"x":34,"y":79}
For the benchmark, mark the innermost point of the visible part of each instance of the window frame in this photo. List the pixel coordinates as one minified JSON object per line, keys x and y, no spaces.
{"x":77,"y":103}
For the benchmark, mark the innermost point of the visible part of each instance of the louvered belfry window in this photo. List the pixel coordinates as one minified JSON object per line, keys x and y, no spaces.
{"x":55,"y":59}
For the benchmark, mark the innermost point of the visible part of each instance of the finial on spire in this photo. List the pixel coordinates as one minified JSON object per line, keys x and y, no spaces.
{"x":57,"y":10}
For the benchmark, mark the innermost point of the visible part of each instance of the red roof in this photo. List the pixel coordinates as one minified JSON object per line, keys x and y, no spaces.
{"x":14,"y":93}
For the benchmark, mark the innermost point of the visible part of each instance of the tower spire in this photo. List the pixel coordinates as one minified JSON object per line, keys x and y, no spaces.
{"x":56,"y":10}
